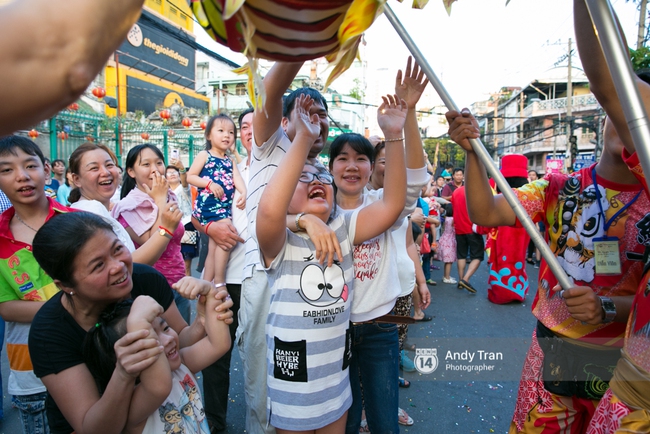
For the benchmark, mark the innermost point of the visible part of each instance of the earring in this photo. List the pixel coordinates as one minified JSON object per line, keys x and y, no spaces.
{"x":71,"y":293}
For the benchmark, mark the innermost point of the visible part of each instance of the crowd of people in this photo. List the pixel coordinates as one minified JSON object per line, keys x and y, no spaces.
{"x":314,"y":272}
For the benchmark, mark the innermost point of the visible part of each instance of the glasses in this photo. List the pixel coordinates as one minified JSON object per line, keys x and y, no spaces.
{"x":308,"y":177}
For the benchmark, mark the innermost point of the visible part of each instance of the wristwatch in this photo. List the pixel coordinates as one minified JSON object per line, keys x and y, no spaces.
{"x":609,"y":309}
{"x":165,"y":234}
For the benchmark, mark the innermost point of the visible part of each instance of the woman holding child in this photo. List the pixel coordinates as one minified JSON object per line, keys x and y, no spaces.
{"x":93,"y":270}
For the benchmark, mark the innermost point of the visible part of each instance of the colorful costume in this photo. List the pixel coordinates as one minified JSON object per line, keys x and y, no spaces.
{"x":506,"y":246}
{"x":577,"y":211}
{"x":208,"y":207}
{"x":626,"y":405}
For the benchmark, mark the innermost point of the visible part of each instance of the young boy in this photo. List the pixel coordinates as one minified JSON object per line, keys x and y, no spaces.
{"x":24,"y":286}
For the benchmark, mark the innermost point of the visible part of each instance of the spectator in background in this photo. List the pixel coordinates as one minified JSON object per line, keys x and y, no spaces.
{"x":532,"y":176}
{"x":468,"y":242}
{"x":58,"y":171}
{"x":456,"y":182}
{"x":51,"y":184}
{"x":438,"y":186}
{"x":63,"y":192}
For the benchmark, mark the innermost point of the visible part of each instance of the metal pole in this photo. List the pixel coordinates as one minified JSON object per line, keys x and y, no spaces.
{"x":602,"y":15}
{"x":483,"y":155}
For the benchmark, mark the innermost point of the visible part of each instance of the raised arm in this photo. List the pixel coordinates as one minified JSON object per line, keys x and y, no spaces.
{"x":597,"y":71}
{"x":276,"y":82}
{"x":155,"y":381}
{"x":484,"y":208}
{"x":68,"y":39}
{"x":216,"y":342}
{"x":410,"y":88}
{"x":274,"y":204}
{"x":379,"y":216}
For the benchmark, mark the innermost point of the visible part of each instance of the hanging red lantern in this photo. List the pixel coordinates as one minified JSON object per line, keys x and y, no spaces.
{"x":145,"y":136}
{"x":165,"y":114}
{"x":203,"y":125}
{"x":33,"y":134}
{"x":187,"y":122}
{"x":99,"y":92}
{"x":171,"y":133}
{"x":63,"y":135}
{"x":74,"y":107}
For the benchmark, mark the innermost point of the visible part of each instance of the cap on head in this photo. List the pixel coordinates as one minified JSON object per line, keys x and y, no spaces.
{"x":514,"y":165}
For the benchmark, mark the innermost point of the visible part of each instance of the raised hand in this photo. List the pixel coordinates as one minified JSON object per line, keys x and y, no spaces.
{"x":171,"y":215}
{"x":391,"y":116}
{"x":410,"y":87}
{"x":159,"y":189}
{"x":462,"y":127}
{"x":144,"y":311}
{"x":306,"y":125}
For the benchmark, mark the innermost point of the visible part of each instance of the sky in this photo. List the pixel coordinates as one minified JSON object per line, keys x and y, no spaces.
{"x":483,"y":46}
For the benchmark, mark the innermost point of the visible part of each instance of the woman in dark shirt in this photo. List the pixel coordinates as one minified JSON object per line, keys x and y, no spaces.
{"x":93,"y":269}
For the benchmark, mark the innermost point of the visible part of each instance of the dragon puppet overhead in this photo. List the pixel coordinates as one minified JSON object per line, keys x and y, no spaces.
{"x":292,"y":30}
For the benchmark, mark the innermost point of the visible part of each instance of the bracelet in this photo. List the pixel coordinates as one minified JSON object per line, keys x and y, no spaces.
{"x":394,"y":140}
{"x":181,"y":171}
{"x":207,"y":187}
{"x":298,"y":217}
{"x":162,"y":228}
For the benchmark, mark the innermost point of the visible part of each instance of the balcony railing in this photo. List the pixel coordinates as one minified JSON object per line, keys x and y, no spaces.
{"x":558,"y":105}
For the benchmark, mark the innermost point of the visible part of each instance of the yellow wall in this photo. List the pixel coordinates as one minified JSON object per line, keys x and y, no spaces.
{"x":179,"y":12}
{"x":111,"y":85}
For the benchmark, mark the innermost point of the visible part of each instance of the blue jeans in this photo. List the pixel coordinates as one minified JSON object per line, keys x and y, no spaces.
{"x":32,"y":412}
{"x":375,"y":364}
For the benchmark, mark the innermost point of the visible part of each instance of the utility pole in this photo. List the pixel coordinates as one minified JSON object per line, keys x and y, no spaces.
{"x":642,"y":17}
{"x":496,"y":139}
{"x":569,"y":117}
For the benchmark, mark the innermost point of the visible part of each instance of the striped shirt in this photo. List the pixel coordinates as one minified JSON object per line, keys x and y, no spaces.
{"x":307,"y":332}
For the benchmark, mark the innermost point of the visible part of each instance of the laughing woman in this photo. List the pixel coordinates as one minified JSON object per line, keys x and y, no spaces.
{"x":95,"y":177}
{"x":93,"y":269}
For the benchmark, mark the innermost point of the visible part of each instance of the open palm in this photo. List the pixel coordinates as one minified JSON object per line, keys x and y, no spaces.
{"x":410,"y":87}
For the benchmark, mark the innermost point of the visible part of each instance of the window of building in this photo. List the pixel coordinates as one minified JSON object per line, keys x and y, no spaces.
{"x":240,"y":89}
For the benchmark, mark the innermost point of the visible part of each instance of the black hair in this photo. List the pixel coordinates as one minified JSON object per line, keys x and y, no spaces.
{"x":240,"y":119}
{"x":449,"y":209}
{"x":289,"y":101}
{"x":416,"y":230}
{"x":458,"y":169}
{"x":356,"y":141}
{"x":208,"y":128}
{"x":515,"y":182}
{"x":131,"y":159}
{"x":98,"y":346}
{"x":74,"y":163}
{"x":58,"y":160}
{"x":172,"y":167}
{"x":380,"y":147}
{"x":58,"y":242}
{"x":9,"y":144}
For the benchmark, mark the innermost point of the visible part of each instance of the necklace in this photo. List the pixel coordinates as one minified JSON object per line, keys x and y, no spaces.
{"x":21,"y":220}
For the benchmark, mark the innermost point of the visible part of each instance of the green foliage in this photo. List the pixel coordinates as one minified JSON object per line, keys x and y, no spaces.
{"x":640,"y":58}
{"x":357,"y":92}
{"x":448,"y":151}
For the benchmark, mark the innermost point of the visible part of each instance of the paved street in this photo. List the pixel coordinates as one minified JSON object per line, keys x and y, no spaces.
{"x":447,"y":400}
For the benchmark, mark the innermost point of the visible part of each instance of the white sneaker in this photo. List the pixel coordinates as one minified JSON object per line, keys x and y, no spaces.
{"x":451,"y":280}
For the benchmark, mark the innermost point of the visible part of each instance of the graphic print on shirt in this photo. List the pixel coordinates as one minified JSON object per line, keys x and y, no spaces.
{"x":188,"y":416}
{"x":320,"y":287}
{"x":578,"y":221}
